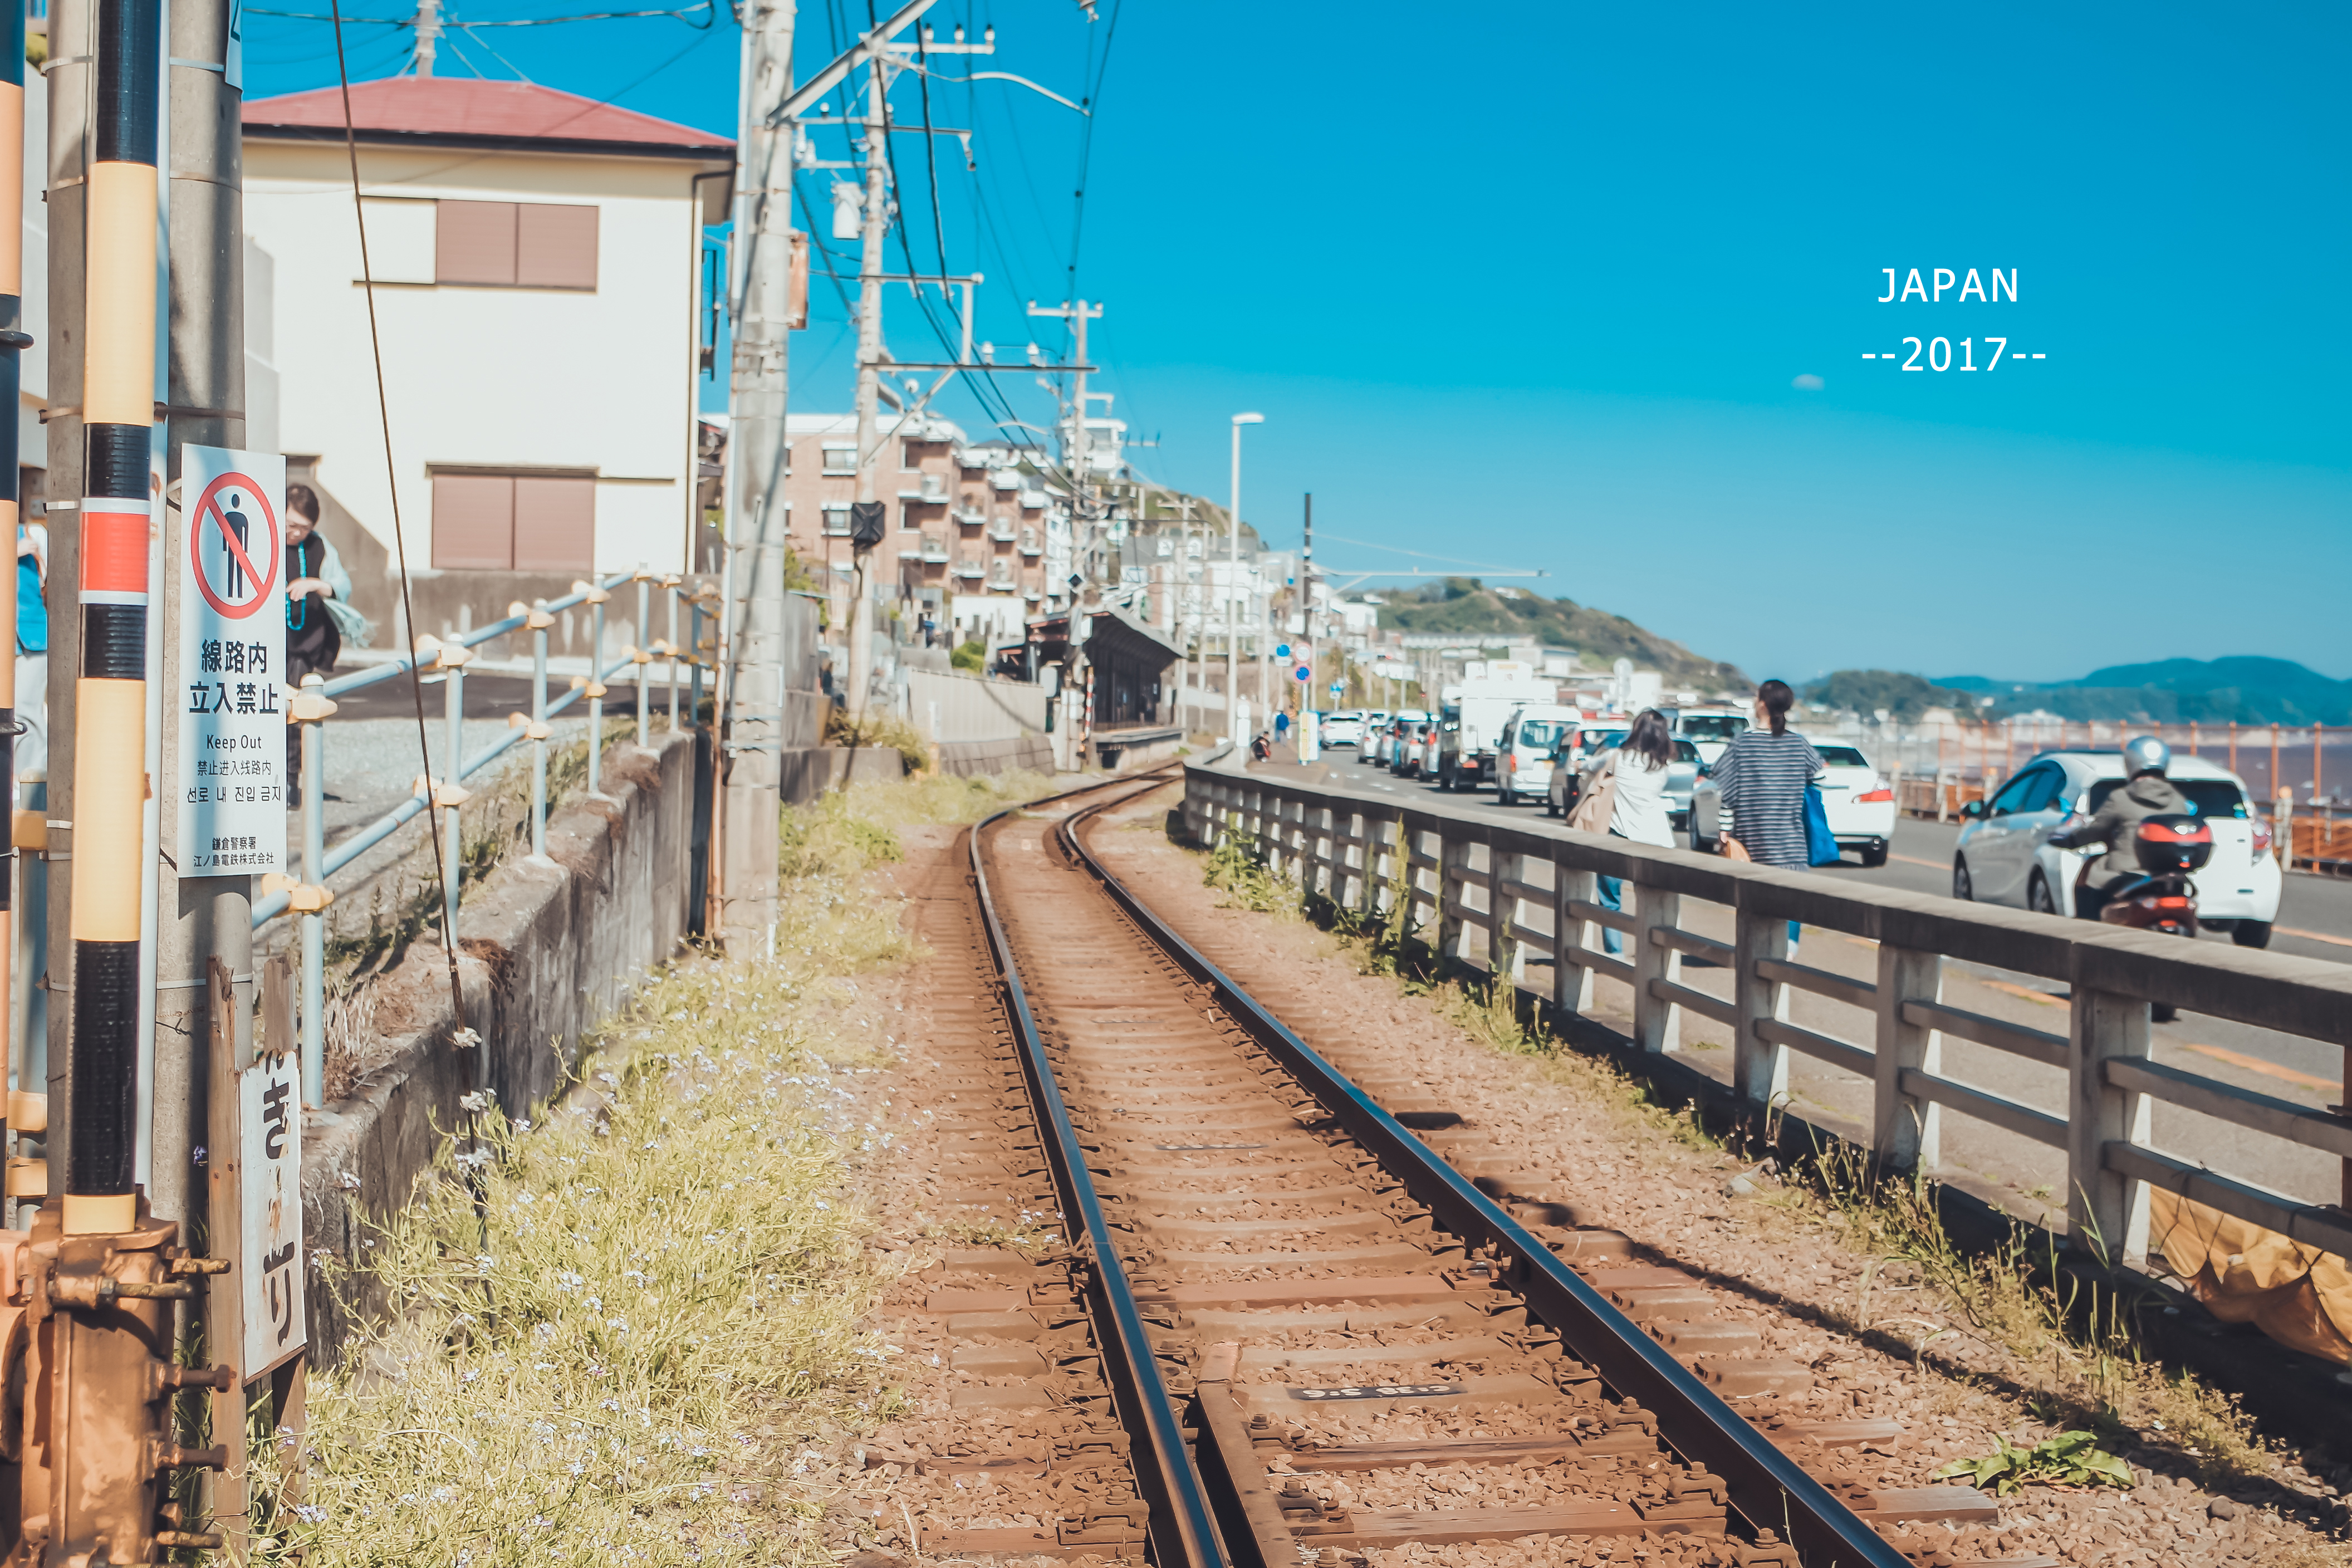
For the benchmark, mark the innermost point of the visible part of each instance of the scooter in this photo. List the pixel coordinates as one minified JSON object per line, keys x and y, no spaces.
{"x":2163,"y":898}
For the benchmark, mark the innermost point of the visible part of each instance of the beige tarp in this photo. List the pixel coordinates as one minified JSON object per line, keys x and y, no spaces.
{"x":2299,"y":1296}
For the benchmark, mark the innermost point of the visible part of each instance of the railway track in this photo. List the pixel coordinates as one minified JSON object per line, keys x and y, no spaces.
{"x":1281,"y":1327}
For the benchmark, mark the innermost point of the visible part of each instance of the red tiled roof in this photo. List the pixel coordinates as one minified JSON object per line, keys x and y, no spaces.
{"x":456,"y":111}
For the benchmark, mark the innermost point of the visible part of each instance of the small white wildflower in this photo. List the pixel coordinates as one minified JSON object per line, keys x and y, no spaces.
{"x":350,"y":1181}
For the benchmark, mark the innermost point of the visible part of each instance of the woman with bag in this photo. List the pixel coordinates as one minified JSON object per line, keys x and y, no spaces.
{"x":1761,"y":783}
{"x":1628,"y":800}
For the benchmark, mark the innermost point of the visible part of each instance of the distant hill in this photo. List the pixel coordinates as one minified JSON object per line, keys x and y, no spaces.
{"x":2247,"y":690}
{"x":1466,"y":607}
{"x":1902,"y":696}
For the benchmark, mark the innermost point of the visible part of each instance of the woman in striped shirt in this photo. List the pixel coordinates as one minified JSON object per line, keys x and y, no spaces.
{"x":1759,"y":784}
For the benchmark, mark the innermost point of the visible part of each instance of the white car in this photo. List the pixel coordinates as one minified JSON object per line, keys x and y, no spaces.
{"x":1709,"y":728}
{"x":2004,"y":856}
{"x":1342,"y":729}
{"x":1523,"y":754}
{"x":1859,"y":804}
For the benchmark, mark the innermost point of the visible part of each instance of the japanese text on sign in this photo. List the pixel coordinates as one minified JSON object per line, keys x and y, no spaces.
{"x":230,"y":763}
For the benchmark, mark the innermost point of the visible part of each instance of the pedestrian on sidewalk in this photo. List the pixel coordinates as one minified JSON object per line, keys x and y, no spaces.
{"x":1260,"y":747}
{"x":1637,"y":810}
{"x":1760,"y":781}
{"x":1281,"y":726}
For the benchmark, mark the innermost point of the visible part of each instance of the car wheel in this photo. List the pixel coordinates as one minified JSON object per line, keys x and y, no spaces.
{"x":1962,"y":888}
{"x":2251,"y":933}
{"x":1874,"y":856}
{"x":2037,"y":896}
{"x":2162,"y":1013}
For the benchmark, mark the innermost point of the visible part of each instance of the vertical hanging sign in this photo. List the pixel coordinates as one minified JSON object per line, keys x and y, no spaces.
{"x":230,"y":780}
{"x":269,"y":1197}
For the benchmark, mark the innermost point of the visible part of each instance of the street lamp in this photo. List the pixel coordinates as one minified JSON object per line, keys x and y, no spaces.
{"x":1233,"y":627}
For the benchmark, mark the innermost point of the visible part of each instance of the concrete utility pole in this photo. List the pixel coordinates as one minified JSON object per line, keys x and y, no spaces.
{"x":1233,"y":565}
{"x":72,"y":24}
{"x":1083,"y":543}
{"x":868,"y":522}
{"x":202,"y":918}
{"x":1306,"y":605}
{"x":428,"y":38}
{"x":751,"y":728}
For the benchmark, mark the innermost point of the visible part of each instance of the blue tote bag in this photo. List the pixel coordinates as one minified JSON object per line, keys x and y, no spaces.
{"x":1821,"y":845}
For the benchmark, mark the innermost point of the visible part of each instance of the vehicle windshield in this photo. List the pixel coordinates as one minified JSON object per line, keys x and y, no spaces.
{"x":1843,"y":757}
{"x":1712,"y":726}
{"x":2207,"y":797}
{"x":1542,"y":735}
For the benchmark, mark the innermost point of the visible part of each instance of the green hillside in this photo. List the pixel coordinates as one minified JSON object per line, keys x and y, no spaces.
{"x":1466,"y":607}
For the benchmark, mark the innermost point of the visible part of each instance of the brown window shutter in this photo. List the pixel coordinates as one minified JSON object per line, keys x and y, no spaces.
{"x":473,"y":523}
{"x":555,"y":524}
{"x":555,"y":246}
{"x":475,"y":243}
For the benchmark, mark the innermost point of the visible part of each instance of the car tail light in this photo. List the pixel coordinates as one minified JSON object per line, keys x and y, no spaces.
{"x":1511,"y":762}
{"x":2262,"y":839}
{"x":1875,"y":794}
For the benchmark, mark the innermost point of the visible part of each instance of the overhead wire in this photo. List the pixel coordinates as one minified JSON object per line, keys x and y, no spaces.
{"x":399,"y":534}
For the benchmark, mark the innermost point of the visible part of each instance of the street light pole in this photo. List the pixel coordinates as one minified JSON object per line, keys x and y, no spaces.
{"x":1233,"y":564}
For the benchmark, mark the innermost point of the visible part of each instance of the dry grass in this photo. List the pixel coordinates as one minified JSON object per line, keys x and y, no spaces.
{"x":634,"y":1332}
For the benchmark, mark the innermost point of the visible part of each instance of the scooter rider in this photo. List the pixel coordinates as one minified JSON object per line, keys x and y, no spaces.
{"x":2147,"y":793}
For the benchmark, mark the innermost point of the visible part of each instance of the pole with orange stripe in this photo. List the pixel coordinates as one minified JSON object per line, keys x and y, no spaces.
{"x":100,"y":1277}
{"x":111,"y":767}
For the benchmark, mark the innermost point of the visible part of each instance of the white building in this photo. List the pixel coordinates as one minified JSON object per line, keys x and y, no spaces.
{"x":536,"y":258}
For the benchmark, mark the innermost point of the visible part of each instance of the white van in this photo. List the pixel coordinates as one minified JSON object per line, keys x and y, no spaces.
{"x":1523,"y":754}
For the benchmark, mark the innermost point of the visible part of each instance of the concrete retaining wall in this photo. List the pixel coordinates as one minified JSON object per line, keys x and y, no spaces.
{"x":971,"y":758}
{"x":548,"y":947}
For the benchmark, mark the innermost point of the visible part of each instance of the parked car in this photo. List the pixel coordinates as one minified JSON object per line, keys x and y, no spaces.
{"x":1523,"y":752}
{"x":1345,"y":728}
{"x":1682,"y":778}
{"x":2004,"y":856}
{"x":1708,"y":728}
{"x":1859,"y":804}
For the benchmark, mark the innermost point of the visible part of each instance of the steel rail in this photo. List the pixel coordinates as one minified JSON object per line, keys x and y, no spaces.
{"x":1183,"y":1531}
{"x":1766,"y":1488}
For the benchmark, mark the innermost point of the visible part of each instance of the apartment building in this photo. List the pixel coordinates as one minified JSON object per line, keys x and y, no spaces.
{"x":535,"y":258}
{"x":965,"y":537}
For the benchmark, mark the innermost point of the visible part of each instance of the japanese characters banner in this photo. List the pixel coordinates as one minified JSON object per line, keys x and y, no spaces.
{"x":269,"y":1183}
{"x":231,"y":773}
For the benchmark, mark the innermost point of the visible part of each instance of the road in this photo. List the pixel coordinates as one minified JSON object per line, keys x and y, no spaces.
{"x":2315,"y":921}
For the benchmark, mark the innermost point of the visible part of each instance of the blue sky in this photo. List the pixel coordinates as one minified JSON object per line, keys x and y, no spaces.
{"x":1537,"y":297}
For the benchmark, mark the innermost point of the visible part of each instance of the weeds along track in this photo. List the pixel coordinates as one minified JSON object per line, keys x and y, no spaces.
{"x":1333,"y":1342}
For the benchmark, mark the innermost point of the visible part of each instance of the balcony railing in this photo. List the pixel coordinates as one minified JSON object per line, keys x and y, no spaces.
{"x":934,"y":551}
{"x":970,"y":567}
{"x":1000,"y":530}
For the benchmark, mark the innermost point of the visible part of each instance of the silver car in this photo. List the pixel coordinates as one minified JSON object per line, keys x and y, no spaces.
{"x":1567,"y":784}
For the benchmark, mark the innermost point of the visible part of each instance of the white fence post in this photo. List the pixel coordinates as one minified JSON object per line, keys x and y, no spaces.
{"x":1657,"y":1022}
{"x":2107,"y":1213}
{"x":1453,"y":858}
{"x":1760,"y":1069}
{"x":1905,"y":1126}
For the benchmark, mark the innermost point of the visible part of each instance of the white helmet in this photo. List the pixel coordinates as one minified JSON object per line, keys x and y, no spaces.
{"x":2145,"y":754}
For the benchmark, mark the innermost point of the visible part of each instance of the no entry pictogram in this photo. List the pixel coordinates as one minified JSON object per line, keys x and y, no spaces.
{"x":235,"y":516}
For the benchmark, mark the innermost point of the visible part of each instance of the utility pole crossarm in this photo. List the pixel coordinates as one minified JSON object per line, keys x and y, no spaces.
{"x":868,"y":47}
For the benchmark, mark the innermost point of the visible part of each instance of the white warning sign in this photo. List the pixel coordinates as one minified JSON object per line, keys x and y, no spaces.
{"x":270,"y":1186}
{"x":232,"y":605}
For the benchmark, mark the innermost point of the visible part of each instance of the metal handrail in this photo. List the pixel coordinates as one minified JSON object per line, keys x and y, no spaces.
{"x":320,"y":863}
